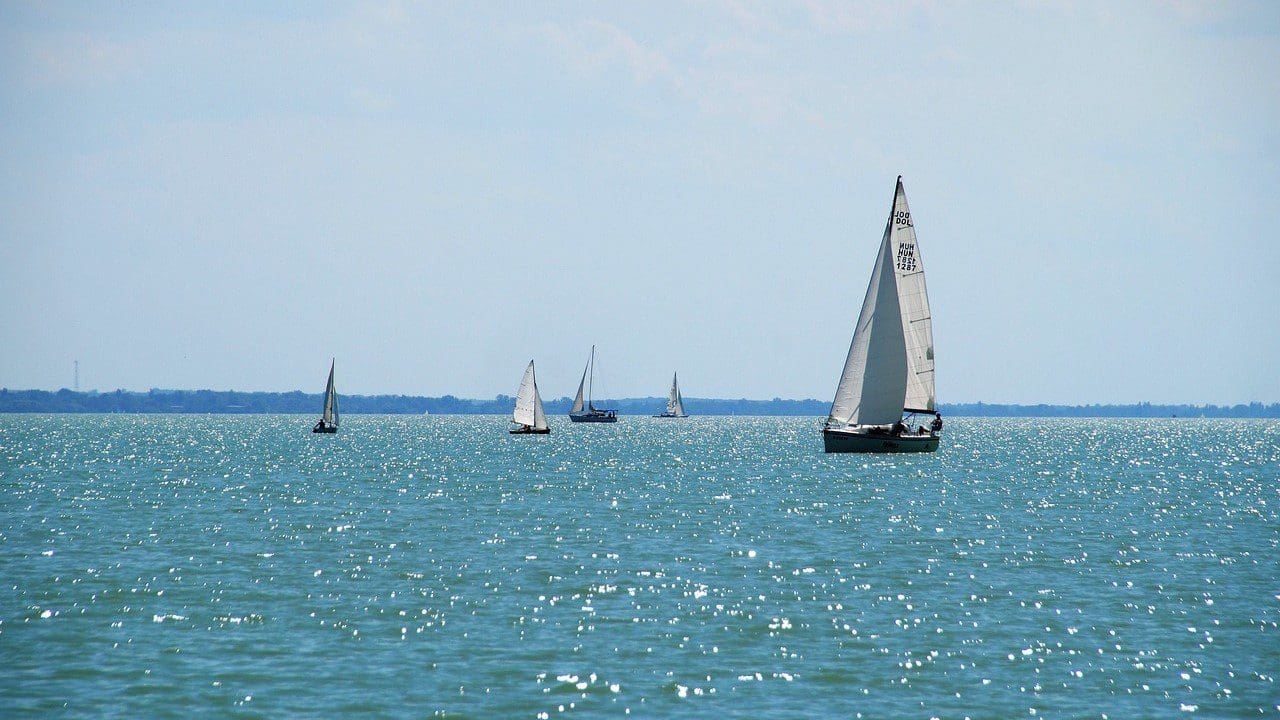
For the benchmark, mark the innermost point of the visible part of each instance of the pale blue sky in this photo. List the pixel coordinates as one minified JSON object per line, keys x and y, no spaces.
{"x":226,"y":196}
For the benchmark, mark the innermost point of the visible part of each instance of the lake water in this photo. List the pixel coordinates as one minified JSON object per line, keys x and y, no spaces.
{"x":170,"y":566}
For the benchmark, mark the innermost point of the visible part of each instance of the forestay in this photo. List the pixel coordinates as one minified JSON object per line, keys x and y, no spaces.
{"x":913,"y":299}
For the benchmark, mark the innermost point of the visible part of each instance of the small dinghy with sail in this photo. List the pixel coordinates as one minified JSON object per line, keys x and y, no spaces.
{"x":329,"y":419}
{"x":588,"y":412}
{"x":528,"y":411}
{"x":675,"y":404}
{"x":888,"y":373}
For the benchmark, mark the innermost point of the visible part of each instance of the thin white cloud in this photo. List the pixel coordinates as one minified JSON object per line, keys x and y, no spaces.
{"x":75,"y":58}
{"x":730,"y":73}
{"x":591,"y":47}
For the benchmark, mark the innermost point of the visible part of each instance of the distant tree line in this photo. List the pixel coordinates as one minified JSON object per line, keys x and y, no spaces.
{"x":231,"y":401}
{"x":1136,"y":410}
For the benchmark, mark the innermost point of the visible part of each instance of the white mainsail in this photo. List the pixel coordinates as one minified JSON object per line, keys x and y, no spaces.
{"x":913,"y":299}
{"x":675,"y":406}
{"x":528,"y":410}
{"x":874,"y":381}
{"x":578,"y":403}
{"x":330,"y":400}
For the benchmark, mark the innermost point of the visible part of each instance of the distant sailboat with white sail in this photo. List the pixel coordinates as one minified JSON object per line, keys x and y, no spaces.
{"x":675,"y":403}
{"x":889,"y":371}
{"x":587,"y":411}
{"x":329,"y":418}
{"x":528,"y":411}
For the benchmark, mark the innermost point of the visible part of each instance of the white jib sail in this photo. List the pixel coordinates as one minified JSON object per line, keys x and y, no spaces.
{"x":578,"y":403}
{"x":330,"y":400}
{"x":527,"y":405}
{"x":874,"y":380}
{"x":913,"y":299}
{"x":674,"y":405}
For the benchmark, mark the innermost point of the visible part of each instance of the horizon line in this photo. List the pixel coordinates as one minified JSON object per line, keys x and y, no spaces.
{"x":92,"y":391}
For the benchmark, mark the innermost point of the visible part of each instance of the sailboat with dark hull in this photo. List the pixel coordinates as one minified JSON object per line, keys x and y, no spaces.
{"x":528,"y":414}
{"x":329,"y":418}
{"x":888,"y":376}
{"x":675,"y":403}
{"x":586,"y":411}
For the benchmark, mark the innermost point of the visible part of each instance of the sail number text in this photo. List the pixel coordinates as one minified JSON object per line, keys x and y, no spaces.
{"x":906,"y":260}
{"x":901,"y":218}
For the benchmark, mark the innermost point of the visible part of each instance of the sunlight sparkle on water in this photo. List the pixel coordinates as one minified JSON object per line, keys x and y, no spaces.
{"x":713,"y":565}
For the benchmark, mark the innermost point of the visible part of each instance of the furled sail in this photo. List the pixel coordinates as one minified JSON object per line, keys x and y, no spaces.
{"x":528,"y":404}
{"x":913,"y":299}
{"x":873,"y":383}
{"x":675,"y":406}
{"x":330,"y":400}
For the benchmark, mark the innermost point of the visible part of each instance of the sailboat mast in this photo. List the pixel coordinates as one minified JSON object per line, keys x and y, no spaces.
{"x":591,"y":377}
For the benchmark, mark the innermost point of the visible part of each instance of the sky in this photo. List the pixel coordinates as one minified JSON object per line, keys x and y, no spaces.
{"x":227,"y":195}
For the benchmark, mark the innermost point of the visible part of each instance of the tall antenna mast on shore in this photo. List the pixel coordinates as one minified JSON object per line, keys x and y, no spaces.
{"x":77,"y":376}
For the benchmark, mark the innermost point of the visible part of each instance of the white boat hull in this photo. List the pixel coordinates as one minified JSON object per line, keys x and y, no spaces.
{"x":851,"y":440}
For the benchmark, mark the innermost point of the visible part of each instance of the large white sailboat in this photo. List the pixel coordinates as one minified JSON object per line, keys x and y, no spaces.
{"x":889,"y":370}
{"x":675,"y":404}
{"x":586,"y":411}
{"x":329,"y":417}
{"x":528,"y":411}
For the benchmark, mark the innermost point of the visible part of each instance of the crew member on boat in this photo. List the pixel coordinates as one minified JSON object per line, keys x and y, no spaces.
{"x":319,"y":426}
{"x":936,"y":425}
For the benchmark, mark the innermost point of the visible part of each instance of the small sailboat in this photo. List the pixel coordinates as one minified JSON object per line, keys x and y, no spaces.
{"x":675,"y":404}
{"x":528,"y":411}
{"x":329,"y":419}
{"x":889,"y":370}
{"x":587,"y":412}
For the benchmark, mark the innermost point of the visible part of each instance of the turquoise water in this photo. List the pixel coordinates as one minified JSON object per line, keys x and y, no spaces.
{"x":168,"y":566}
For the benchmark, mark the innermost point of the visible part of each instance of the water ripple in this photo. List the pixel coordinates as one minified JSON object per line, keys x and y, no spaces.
{"x":165,"y":565}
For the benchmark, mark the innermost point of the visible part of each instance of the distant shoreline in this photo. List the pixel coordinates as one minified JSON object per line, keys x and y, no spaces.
{"x":232,"y":402}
